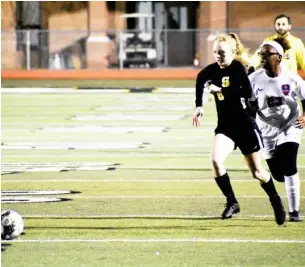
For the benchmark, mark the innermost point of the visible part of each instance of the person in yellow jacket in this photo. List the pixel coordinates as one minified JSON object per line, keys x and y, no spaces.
{"x":294,"y":58}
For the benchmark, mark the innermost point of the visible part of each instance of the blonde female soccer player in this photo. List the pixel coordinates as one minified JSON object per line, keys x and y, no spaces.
{"x":227,"y":80}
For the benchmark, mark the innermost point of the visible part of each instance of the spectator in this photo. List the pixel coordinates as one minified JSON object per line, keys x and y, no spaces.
{"x":294,"y":58}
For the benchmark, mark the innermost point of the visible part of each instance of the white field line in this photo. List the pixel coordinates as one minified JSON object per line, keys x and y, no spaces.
{"x":102,"y":129}
{"x":125,"y":181}
{"x":146,"y":117}
{"x":190,"y":90}
{"x":160,"y":197}
{"x":139,"y":216}
{"x":33,"y":192}
{"x":185,"y":168}
{"x":158,"y":240}
{"x":70,"y":145}
{"x":197,"y":168}
{"x":55,"y":164}
{"x":117,"y":155}
{"x":8,"y":199}
{"x":96,"y":145}
{"x":120,"y":155}
{"x":155,"y":109}
{"x":145,"y":129}
{"x":27,"y":126}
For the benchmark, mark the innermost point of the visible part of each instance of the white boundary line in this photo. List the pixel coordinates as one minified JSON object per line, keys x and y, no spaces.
{"x":126,"y":181}
{"x":157,"y":240}
{"x":176,"y":89}
{"x":79,"y":155}
{"x":141,"y":216}
{"x":153,"y":155}
{"x":160,"y":197}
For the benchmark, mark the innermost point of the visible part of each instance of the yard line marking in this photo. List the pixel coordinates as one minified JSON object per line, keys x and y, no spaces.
{"x":7,"y":168}
{"x":67,"y":145}
{"x":140,"y":107}
{"x":57,"y":169}
{"x":160,"y":197}
{"x":117,"y":155}
{"x":195,"y":168}
{"x":36,"y":192}
{"x":146,"y":117}
{"x":102,"y":129}
{"x":126,"y":154}
{"x":181,"y":168}
{"x":141,"y":216}
{"x":157,"y":240}
{"x":53,"y":164}
{"x":14,"y":199}
{"x":175,"y":90}
{"x":127,"y":180}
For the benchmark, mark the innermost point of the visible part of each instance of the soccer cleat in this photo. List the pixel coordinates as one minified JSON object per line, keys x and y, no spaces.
{"x":278,"y":208}
{"x":295,"y":216}
{"x":231,"y":208}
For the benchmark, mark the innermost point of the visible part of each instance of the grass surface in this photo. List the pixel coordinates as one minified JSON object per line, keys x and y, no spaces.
{"x":159,"y":207}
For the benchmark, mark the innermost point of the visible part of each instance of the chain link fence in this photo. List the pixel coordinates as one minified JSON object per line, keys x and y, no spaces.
{"x":58,"y":50}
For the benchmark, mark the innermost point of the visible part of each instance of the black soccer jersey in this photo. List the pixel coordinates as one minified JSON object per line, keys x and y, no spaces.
{"x":231,"y":102}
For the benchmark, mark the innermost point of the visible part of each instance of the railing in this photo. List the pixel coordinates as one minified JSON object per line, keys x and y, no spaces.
{"x":40,"y":49}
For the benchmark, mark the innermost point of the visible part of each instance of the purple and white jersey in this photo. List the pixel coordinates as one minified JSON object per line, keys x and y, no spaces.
{"x":278,"y":107}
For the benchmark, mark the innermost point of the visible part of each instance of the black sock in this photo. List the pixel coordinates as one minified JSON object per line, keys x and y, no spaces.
{"x":270,"y":188}
{"x":224,"y":184}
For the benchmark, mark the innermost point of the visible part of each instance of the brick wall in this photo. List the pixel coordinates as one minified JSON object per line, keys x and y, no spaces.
{"x":10,"y":58}
{"x":261,"y":14}
{"x":209,"y":15}
{"x":72,"y":17}
{"x":243,"y":15}
{"x":8,"y":18}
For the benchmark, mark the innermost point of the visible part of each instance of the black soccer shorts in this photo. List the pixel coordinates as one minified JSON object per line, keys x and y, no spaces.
{"x":248,"y":138}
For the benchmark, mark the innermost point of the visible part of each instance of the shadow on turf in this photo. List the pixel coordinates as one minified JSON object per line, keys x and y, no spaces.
{"x":194,"y":227}
{"x":215,"y":218}
{"x":124,"y":228}
{"x":4,"y":246}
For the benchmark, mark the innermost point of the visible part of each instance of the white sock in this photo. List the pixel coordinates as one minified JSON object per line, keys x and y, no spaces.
{"x":292,"y":186}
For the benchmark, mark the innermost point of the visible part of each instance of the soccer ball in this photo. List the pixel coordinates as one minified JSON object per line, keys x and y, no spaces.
{"x":11,"y":224}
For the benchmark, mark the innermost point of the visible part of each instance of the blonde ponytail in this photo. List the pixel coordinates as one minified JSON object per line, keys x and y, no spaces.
{"x":241,"y":53}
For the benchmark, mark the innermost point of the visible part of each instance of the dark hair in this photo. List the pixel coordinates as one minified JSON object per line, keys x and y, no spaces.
{"x":283,"y":16}
{"x":284,"y":43}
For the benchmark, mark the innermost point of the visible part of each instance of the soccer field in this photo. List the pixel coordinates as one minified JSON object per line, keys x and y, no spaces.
{"x":123,"y":179}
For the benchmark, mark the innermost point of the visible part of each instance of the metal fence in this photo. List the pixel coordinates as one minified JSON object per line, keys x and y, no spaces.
{"x":34,"y":49}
